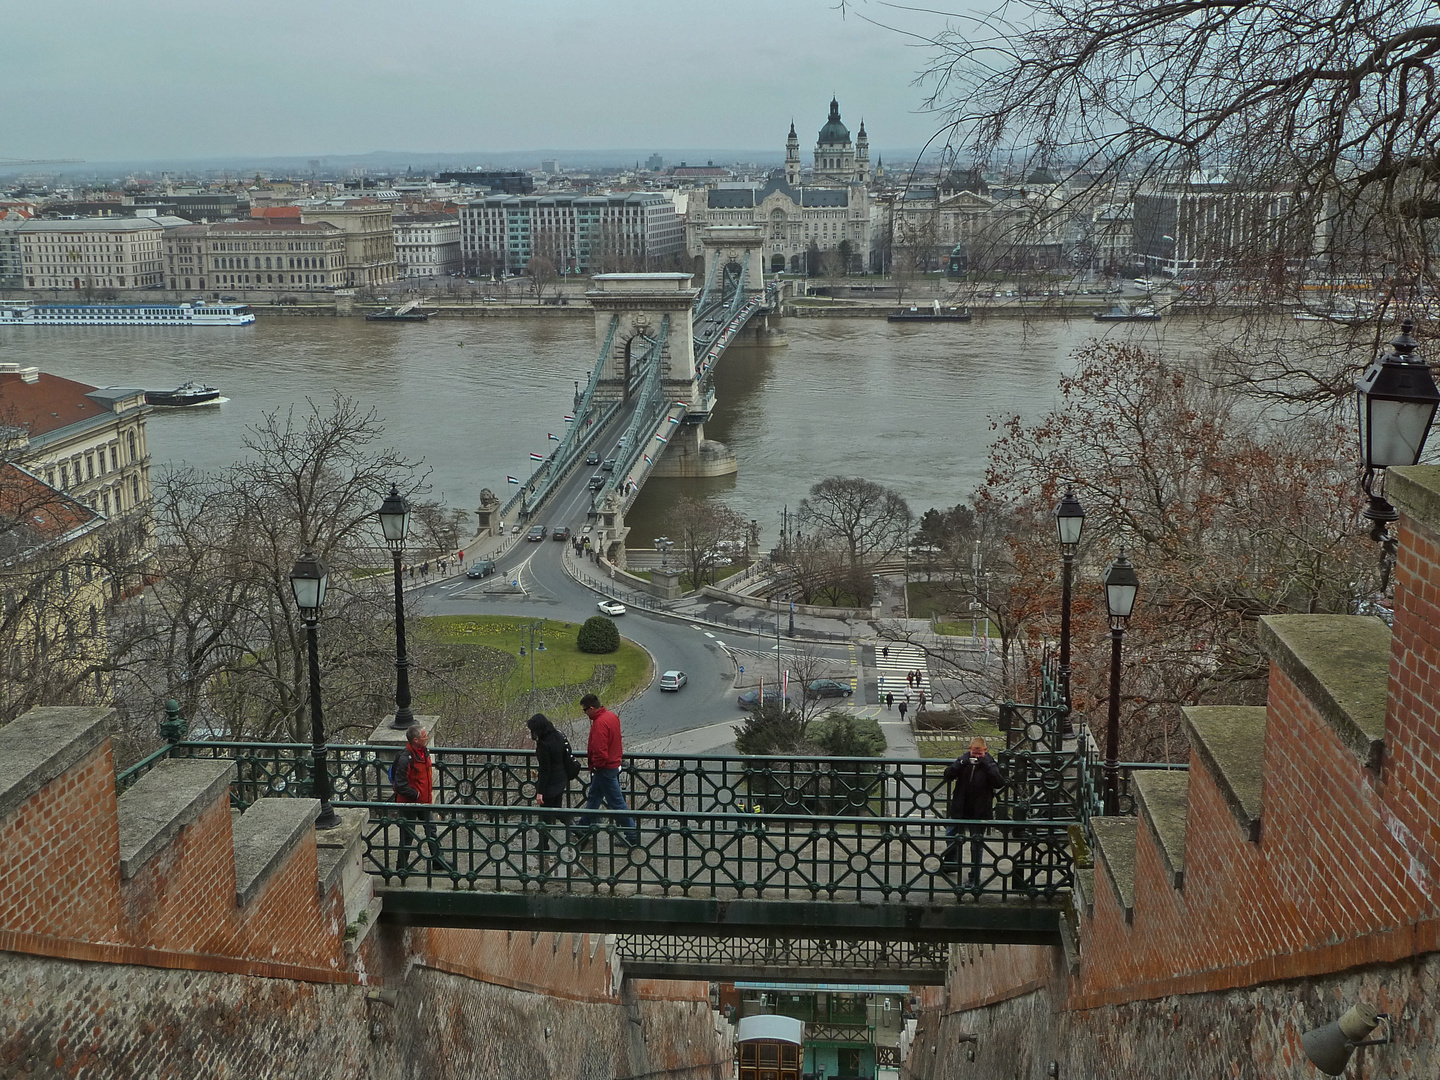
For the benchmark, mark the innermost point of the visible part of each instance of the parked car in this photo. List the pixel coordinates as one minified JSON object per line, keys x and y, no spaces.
{"x":562,"y":533}
{"x":611,"y":607}
{"x":592,"y":458}
{"x":480,"y":568}
{"x":830,"y":688}
{"x":673,"y":680}
{"x":751,"y":698}
{"x":537,"y":532}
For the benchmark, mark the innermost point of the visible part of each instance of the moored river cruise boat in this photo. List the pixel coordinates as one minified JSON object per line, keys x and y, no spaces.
{"x":196,"y":313}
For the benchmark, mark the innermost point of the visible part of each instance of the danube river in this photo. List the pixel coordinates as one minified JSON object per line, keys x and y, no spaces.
{"x":909,"y":407}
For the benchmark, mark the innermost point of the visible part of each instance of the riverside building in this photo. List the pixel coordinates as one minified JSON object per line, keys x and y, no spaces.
{"x":94,"y":253}
{"x":273,"y":254}
{"x":427,"y":245}
{"x":624,"y":231}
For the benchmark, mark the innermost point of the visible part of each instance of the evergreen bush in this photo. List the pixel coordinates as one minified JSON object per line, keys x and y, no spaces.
{"x":598,"y":635}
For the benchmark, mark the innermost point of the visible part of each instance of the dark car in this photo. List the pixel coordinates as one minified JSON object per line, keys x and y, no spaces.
{"x":597,"y":482}
{"x":562,"y":533}
{"x":751,"y":698}
{"x":608,"y":464}
{"x":829,"y":688}
{"x":537,"y":532}
{"x":592,"y":458}
{"x":480,"y":568}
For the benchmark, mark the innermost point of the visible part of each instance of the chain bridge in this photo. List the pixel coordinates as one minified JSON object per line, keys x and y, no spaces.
{"x":652,"y":385}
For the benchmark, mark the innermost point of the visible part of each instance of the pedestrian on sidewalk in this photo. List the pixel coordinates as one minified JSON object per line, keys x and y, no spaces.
{"x":921,"y":706}
{"x":552,"y":781}
{"x":889,"y":701}
{"x":976,"y":777}
{"x":606,"y":756}
{"x":902,"y":707}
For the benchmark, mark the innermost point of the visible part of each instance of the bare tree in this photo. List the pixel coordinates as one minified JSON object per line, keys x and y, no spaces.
{"x":867,"y":521}
{"x":701,"y":529}
{"x":542,"y":275}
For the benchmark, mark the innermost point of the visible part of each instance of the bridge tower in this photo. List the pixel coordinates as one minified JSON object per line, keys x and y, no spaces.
{"x":641,"y":301}
{"x":728,"y":244}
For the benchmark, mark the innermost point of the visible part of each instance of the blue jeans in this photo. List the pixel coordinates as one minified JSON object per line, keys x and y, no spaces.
{"x":605,"y":787}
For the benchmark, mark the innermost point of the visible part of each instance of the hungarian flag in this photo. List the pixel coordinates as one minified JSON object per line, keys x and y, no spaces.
{"x":673,"y":420}
{"x":512,"y":480}
{"x":553,"y":436}
{"x":683,"y":404}
{"x":537,"y":457}
{"x":569,"y":419}
{"x":647,"y":458}
{"x":662,"y":438}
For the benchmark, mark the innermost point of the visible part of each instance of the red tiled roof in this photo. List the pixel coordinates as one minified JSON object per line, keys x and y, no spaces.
{"x":29,"y":505}
{"x":45,"y":405}
{"x":271,"y":212}
{"x":289,"y":224}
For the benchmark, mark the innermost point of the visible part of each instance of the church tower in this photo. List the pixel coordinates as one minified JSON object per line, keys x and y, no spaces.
{"x":862,"y":155}
{"x":834,"y":153}
{"x":792,"y":157}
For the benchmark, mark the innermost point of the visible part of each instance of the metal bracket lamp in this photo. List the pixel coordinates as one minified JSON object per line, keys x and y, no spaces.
{"x":1396,"y":398}
{"x":1329,"y":1047}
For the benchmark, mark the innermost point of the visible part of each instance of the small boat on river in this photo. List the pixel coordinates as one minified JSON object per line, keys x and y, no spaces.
{"x":1128,"y":313}
{"x":934,"y":313}
{"x":185,"y":396}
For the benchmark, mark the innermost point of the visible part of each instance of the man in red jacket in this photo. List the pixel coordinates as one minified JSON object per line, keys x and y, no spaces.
{"x":605,"y":756}
{"x":413,"y":780}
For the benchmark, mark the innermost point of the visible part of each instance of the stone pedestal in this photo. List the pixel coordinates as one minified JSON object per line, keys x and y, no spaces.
{"x":488,"y":514}
{"x":666,"y":582}
{"x":344,"y":302}
{"x":385,"y":735}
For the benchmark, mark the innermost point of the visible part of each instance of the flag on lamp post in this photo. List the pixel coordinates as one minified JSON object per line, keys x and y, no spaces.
{"x":569,"y":419}
{"x":537,"y":457}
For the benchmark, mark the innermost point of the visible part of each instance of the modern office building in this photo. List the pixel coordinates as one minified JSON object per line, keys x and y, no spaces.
{"x":586,"y":233}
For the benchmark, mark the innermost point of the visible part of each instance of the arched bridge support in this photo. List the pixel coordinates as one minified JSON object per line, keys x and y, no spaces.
{"x":641,"y":301}
{"x":725,"y":244}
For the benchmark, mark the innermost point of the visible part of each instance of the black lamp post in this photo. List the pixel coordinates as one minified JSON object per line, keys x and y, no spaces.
{"x":1397,"y":400}
{"x":394,"y":514}
{"x":1069,"y":523}
{"x":308,"y":578}
{"x":1121,"y":585}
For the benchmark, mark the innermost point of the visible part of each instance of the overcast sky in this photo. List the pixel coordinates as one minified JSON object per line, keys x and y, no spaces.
{"x":107,"y":80}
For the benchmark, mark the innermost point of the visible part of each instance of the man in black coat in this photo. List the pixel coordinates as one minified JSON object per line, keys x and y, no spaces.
{"x":552,"y":782}
{"x":975,"y":777}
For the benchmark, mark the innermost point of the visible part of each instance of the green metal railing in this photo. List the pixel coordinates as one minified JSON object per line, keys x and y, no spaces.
{"x":1042,"y":784}
{"x":723,"y":856}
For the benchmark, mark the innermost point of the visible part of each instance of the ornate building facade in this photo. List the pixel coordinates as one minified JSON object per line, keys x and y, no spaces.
{"x":823,"y":219}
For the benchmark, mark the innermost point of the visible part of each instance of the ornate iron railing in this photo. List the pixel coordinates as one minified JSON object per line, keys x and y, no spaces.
{"x":1041,"y":785}
{"x":875,"y":957}
{"x":719,"y":855}
{"x":887,"y":1057}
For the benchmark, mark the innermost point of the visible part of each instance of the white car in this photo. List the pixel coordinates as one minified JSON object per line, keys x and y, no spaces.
{"x":672,"y":680}
{"x":611,"y":607}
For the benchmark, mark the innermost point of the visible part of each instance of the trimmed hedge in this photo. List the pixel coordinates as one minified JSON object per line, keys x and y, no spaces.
{"x":598,"y":635}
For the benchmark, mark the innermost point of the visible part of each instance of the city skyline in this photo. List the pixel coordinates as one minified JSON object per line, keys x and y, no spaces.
{"x":144,"y":83}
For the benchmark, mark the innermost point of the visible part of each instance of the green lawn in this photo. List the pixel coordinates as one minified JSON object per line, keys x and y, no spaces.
{"x":560,"y":664}
{"x":721,"y":573}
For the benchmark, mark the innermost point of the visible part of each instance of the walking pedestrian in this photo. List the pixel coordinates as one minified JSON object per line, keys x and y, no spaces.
{"x":606,"y":755}
{"x":556,"y":766}
{"x":921,"y":706}
{"x":412,"y":776}
{"x":902,"y":707}
{"x":889,"y":701}
{"x":885,"y":651}
{"x":975,"y":776}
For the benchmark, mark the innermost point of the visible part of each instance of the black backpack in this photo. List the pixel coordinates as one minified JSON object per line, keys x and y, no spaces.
{"x":572,"y":764}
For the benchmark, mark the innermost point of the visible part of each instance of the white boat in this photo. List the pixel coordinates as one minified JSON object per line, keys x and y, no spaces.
{"x":196,"y":313}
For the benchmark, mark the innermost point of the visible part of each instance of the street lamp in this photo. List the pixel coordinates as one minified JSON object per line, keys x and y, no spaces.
{"x":535,"y":631}
{"x":1121,"y":585}
{"x":1069,"y":523}
{"x":1396,"y":398}
{"x":394,"y":514}
{"x":308,"y":578}
{"x":663,"y":546}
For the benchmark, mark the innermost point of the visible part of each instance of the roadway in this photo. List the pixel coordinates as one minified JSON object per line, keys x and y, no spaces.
{"x":531,"y":582}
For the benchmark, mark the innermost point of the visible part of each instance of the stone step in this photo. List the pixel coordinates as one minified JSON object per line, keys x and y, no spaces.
{"x":1115,"y":851}
{"x":264,"y":835}
{"x":1163,"y":801}
{"x":1229,"y":741}
{"x":1341,"y":663}
{"x":162,"y":802}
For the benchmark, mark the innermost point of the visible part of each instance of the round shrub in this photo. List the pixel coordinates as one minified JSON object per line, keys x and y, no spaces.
{"x":598,"y":635}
